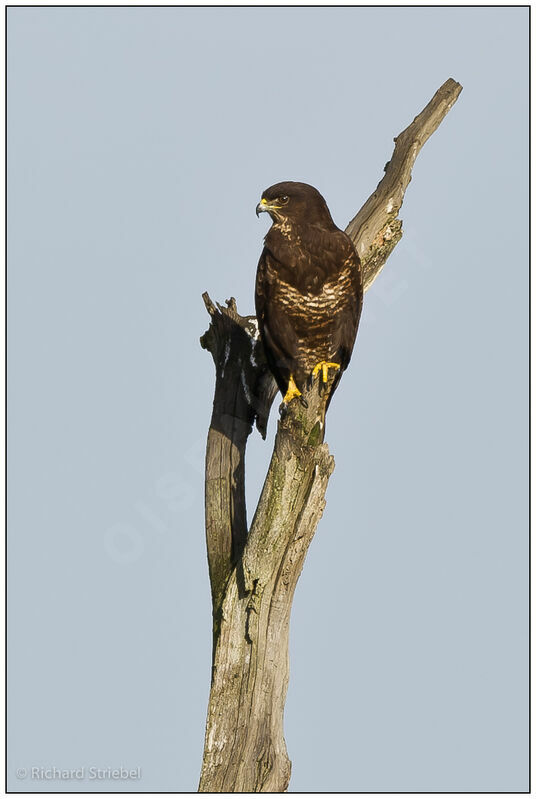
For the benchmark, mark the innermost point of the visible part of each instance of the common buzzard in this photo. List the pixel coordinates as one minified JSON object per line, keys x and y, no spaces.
{"x":309,"y":290}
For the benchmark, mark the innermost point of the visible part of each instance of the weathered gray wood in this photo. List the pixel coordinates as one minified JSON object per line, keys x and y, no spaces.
{"x":232,"y":340}
{"x":376,"y":229}
{"x":245,"y":748}
{"x":253,"y":574}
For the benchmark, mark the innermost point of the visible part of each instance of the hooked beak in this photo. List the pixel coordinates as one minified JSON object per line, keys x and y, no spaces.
{"x":262,"y":206}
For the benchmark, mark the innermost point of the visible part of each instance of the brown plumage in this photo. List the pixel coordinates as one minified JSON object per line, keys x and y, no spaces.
{"x":309,"y":288}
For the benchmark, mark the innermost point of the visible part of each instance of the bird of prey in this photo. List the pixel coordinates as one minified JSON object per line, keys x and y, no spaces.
{"x":309,"y":290}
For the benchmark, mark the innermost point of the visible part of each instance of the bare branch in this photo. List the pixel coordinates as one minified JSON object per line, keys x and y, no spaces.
{"x":376,"y":229}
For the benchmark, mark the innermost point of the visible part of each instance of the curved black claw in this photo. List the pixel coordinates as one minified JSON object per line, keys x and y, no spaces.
{"x":303,"y":401}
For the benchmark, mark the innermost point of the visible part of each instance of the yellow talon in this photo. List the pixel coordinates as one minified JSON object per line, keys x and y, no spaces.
{"x":292,"y":390}
{"x":325,"y":365}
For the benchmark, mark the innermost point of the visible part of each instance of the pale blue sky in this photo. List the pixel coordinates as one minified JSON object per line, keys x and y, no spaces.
{"x":139,"y":141}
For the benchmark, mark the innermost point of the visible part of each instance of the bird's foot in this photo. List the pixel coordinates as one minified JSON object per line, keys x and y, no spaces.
{"x":324,"y":366}
{"x":292,"y":391}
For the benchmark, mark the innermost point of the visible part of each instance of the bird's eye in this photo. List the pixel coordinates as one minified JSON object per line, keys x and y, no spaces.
{"x":283,"y":200}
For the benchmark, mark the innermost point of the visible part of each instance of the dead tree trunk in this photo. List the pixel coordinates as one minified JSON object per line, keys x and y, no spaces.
{"x":253,"y":573}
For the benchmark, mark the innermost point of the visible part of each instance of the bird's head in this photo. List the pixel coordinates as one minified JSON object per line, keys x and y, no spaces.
{"x":295,"y":202}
